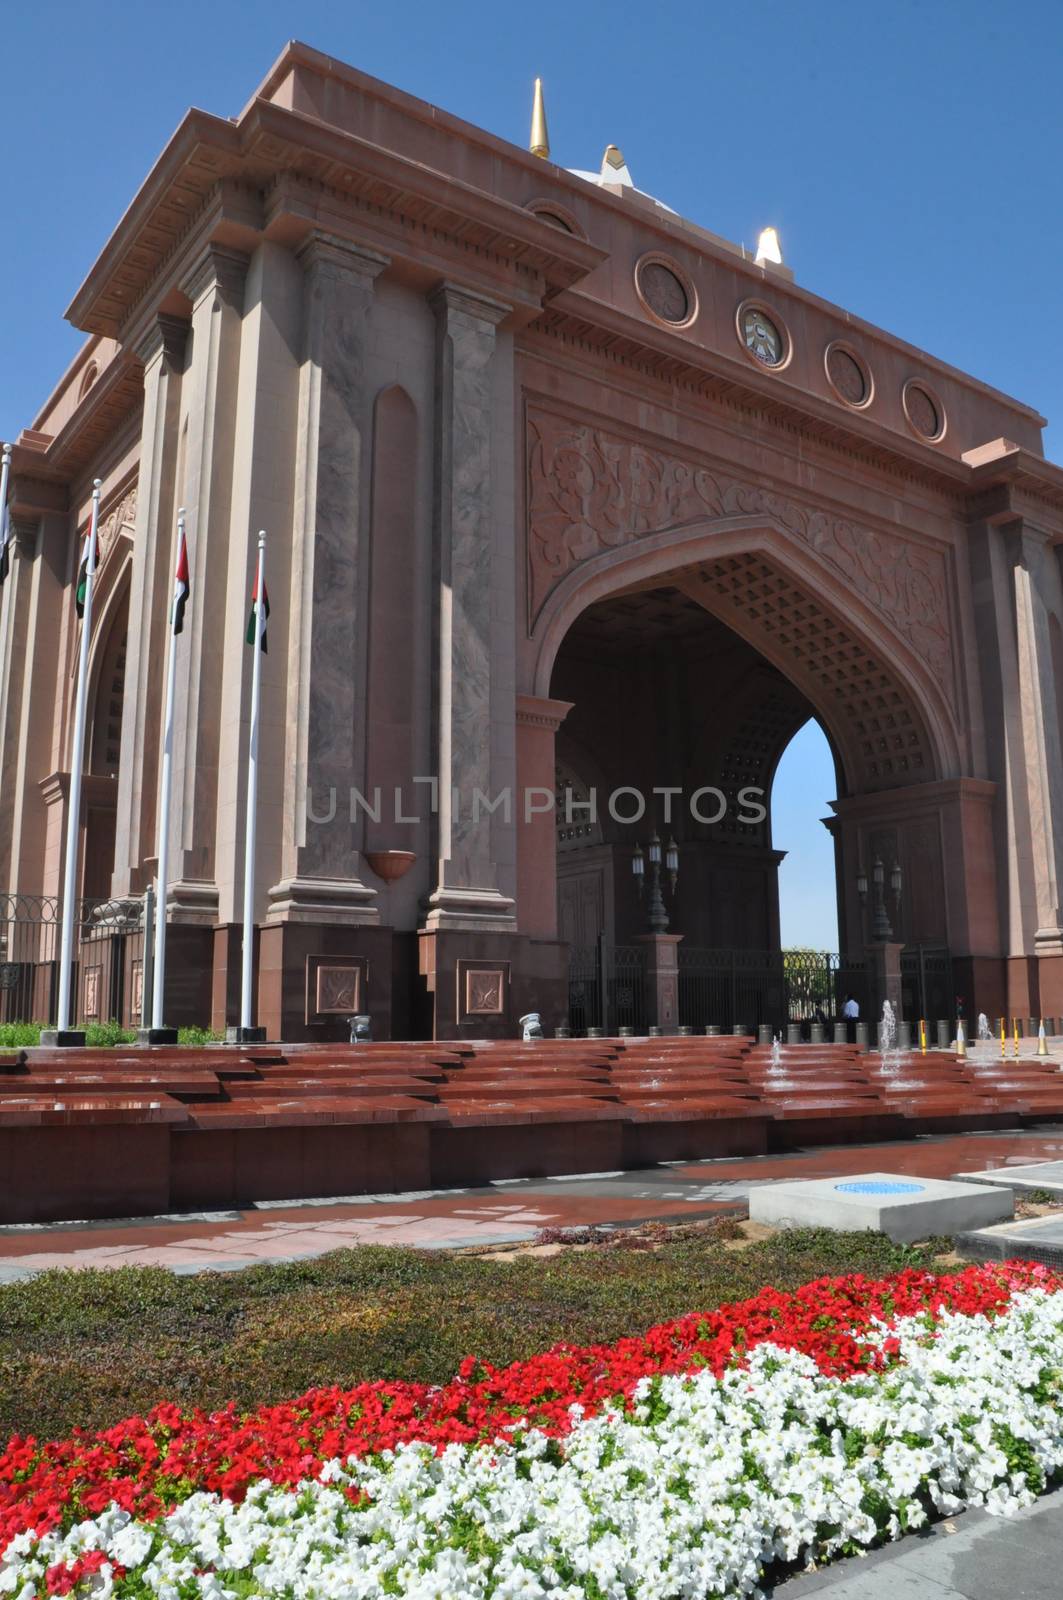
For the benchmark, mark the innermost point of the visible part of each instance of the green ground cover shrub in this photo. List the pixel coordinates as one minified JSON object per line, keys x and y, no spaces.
{"x":87,"y":1348}
{"x":101,"y":1035}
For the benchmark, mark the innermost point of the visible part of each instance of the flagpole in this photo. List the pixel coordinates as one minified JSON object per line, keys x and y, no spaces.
{"x":77,"y":761}
{"x":163,"y":851}
{"x":252,"y":792}
{"x":5,"y":473}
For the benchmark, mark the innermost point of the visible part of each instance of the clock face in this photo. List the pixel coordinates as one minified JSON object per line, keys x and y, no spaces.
{"x":762,"y":337}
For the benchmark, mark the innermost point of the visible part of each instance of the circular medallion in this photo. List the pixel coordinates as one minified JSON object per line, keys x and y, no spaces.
{"x":665,"y":291}
{"x":762,"y":335}
{"x":848,"y":375}
{"x":924,"y":411}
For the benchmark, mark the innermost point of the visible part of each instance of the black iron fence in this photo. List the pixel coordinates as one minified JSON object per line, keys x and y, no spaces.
{"x":108,"y":959}
{"x":721,"y":987}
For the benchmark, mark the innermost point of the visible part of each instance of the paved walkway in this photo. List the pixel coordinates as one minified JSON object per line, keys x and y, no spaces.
{"x":512,"y":1212}
{"x":970,"y":1557}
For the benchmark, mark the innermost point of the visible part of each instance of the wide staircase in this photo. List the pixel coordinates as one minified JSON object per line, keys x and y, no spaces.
{"x":116,"y":1133}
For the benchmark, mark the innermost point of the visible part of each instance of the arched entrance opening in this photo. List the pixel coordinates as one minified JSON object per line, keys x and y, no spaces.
{"x":686,"y":685}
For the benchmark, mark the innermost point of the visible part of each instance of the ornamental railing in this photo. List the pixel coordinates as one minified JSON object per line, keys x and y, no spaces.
{"x":108,"y":967}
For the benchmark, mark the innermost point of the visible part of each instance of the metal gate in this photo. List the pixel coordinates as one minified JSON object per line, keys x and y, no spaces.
{"x":926,"y":982}
{"x":108,"y":959}
{"x":607,"y":987}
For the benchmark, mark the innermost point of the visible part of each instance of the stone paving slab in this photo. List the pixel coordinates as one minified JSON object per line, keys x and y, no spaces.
{"x":970,"y":1557}
{"x":1047,"y":1175}
{"x":1036,"y":1238}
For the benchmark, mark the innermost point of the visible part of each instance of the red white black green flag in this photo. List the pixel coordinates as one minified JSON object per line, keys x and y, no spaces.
{"x":252,"y":621}
{"x":181,"y":586}
{"x":83,"y":577}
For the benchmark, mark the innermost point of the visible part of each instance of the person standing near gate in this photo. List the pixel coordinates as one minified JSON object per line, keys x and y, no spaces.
{"x":851,"y":1009}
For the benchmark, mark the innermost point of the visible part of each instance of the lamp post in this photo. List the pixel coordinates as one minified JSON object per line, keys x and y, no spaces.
{"x":658,"y":917}
{"x":883,"y":950}
{"x":881,"y":927}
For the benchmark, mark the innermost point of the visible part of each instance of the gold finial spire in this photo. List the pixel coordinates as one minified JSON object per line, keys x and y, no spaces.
{"x":539,"y":144}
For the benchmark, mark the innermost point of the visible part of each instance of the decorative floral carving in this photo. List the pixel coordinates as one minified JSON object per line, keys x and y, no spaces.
{"x":122,"y":518}
{"x":590,"y":490}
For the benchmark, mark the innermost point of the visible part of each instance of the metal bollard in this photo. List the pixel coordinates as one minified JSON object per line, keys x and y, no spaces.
{"x":818,"y":1033}
{"x":625,"y":1033}
{"x":904,"y":1035}
{"x":793,"y":1033}
{"x":841,"y":1033}
{"x":944,"y":1034}
{"x":712,"y":1031}
{"x":563,"y":1031}
{"x":739,"y":1030}
{"x":863,"y":1036}
{"x":685,"y":1031}
{"x":656,"y":1033}
{"x":764,"y":1033}
{"x":595,"y":1033}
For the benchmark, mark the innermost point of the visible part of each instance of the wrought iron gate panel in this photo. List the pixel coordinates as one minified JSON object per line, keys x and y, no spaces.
{"x":627,"y":987}
{"x":108,"y":959}
{"x":926,"y":982}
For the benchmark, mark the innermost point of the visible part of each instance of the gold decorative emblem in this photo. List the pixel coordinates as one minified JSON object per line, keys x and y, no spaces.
{"x":762,"y":337}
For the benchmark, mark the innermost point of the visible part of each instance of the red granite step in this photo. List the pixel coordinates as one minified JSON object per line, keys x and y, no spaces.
{"x":298,"y":1112}
{"x":28,"y":1110}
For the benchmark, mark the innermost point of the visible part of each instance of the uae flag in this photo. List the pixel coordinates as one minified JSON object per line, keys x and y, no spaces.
{"x":181,"y":587}
{"x":252,"y":621}
{"x":83,"y":577}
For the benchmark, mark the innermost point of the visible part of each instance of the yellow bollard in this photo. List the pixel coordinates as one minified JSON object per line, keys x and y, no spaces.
{"x":961,"y":1042}
{"x":922,"y":1035}
{"x":1003,"y":1039}
{"x":1015,"y":1024}
{"x":1042,"y":1042}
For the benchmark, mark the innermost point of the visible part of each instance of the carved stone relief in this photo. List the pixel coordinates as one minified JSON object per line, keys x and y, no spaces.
{"x":590,"y":490}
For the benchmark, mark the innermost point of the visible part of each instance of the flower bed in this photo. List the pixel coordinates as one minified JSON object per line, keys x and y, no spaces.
{"x":679,"y":1463}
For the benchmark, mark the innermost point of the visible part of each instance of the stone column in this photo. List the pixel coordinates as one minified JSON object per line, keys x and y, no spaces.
{"x":467,"y":896}
{"x":162,"y":351}
{"x":1037,"y":597}
{"x":215,"y":287}
{"x":538,"y":720}
{"x":884,"y":981}
{"x":16,"y":650}
{"x":327,"y":708}
{"x":662,"y":979}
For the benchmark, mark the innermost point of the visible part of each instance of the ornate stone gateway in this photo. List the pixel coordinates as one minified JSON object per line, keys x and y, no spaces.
{"x":555,"y":482}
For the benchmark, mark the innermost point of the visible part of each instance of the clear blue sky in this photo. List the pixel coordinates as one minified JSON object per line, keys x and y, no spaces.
{"x":909,"y":154}
{"x":800,"y":798}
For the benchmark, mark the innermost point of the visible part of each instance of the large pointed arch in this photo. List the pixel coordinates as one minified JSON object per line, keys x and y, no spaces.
{"x":888,"y":714}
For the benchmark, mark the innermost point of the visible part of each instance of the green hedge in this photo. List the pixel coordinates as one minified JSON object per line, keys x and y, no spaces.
{"x":24,"y":1035}
{"x":89,"y":1347}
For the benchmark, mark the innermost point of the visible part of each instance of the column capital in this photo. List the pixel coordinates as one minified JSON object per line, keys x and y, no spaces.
{"x":216,"y":270}
{"x":166,"y":338}
{"x":536,"y":711}
{"x":328,"y":251}
{"x":23,"y":532}
{"x":450,"y":299}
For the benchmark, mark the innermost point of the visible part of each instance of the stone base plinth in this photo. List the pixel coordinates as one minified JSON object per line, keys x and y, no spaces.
{"x":156,"y":1036}
{"x":905,"y":1209}
{"x":245,"y":1035}
{"x":478,"y":984}
{"x":62,"y":1038}
{"x":313,"y":977}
